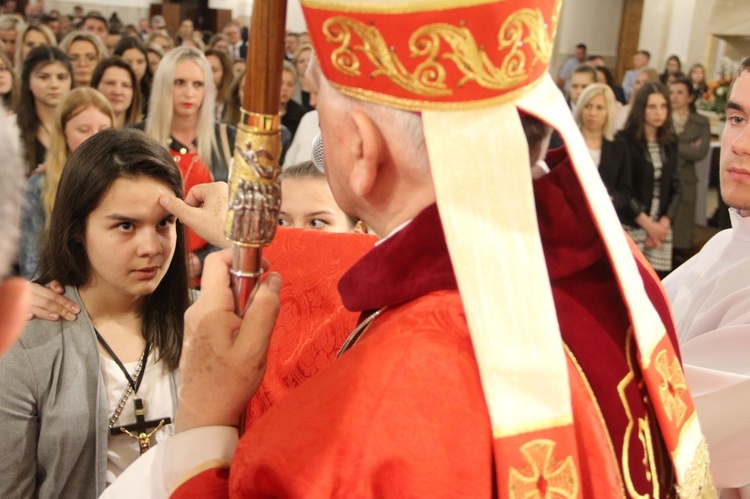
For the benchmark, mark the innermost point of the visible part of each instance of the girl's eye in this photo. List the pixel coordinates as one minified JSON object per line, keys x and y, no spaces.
{"x":166,"y":222}
{"x":125,"y":226}
{"x":283,"y":223}
{"x":317,"y":223}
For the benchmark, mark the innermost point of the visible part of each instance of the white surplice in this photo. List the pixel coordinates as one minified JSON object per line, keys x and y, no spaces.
{"x":710,"y":297}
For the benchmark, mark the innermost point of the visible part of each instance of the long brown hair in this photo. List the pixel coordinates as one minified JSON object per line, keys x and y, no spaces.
{"x":90,"y":172}
{"x":635,"y":125}
{"x":28,"y":120}
{"x":133,"y":114}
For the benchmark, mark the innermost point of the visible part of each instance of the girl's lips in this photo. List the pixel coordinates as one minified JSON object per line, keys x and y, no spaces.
{"x":146,"y":273}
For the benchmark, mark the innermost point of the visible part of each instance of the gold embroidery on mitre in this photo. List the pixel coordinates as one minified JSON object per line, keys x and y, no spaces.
{"x":429,"y":77}
{"x":672,"y":388}
{"x":644,"y":431}
{"x":544,"y":474}
{"x":698,"y":483}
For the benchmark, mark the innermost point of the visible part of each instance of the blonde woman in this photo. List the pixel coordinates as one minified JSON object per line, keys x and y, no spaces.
{"x":85,"y":51}
{"x":181,"y":118}
{"x":32,"y":35}
{"x":595,"y":116}
{"x":81,"y":113}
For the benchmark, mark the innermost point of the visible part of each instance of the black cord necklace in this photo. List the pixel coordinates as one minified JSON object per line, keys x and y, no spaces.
{"x":142,"y":365}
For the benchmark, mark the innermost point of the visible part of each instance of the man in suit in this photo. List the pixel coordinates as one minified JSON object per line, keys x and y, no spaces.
{"x":237,"y":46}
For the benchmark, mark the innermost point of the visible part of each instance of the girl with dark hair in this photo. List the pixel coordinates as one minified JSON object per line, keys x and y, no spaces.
{"x":115,"y":79}
{"x":46,"y":77}
{"x":134,"y":52}
{"x":76,"y":392}
{"x":655,"y":187}
{"x":693,"y":142}
{"x":671,"y":66}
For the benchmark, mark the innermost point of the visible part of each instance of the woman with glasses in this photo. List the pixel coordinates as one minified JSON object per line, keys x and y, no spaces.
{"x":84,"y":50}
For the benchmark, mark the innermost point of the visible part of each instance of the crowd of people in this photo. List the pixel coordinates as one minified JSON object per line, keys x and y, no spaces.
{"x":645,"y":136}
{"x":391,"y":369}
{"x":153,"y":79}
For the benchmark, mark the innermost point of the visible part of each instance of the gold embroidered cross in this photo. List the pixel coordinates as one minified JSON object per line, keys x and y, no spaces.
{"x":544,"y":476}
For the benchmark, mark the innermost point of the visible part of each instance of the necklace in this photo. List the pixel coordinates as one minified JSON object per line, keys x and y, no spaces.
{"x":359,"y":330}
{"x":139,"y":429}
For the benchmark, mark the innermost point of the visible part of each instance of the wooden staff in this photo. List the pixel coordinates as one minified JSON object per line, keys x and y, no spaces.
{"x":254,"y":187}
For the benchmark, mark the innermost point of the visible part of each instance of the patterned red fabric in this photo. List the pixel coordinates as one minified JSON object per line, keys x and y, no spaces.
{"x":312,"y":323}
{"x":420,"y":57}
{"x":402,"y":413}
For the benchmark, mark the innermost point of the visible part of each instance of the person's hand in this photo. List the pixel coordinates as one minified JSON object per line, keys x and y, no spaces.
{"x":666,"y":223}
{"x":223,"y":356}
{"x":48,"y":303}
{"x":651,"y":243}
{"x":204,"y":210}
{"x":657,"y":232}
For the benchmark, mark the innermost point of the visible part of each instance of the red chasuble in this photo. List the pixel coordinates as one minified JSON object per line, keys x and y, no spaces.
{"x":312,"y":323}
{"x":403,"y":414}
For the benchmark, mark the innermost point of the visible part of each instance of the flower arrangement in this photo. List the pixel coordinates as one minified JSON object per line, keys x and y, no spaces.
{"x":715,"y":97}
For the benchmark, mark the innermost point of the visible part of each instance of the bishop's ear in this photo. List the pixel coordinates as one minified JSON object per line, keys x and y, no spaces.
{"x":368,"y":154}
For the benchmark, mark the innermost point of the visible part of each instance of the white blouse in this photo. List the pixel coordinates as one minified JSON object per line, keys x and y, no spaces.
{"x":156,"y":393}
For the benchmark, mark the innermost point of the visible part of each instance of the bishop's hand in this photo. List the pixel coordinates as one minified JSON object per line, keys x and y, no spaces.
{"x":223,"y":356}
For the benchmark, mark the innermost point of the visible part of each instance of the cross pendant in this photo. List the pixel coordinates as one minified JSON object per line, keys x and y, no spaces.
{"x":139,"y":429}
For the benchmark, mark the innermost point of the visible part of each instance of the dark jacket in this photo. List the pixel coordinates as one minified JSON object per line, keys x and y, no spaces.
{"x":642,"y":184}
{"x":616,"y":173}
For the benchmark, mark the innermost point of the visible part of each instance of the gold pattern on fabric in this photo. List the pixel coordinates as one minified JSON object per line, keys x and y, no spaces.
{"x":544,"y":476}
{"x":644,"y":430}
{"x":698,"y":483}
{"x":673,"y":388}
{"x":429,"y":77}
{"x":391,"y":7}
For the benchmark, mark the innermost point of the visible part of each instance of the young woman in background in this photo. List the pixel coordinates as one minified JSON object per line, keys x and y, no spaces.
{"x":655,"y":193}
{"x":81,"y":113}
{"x":116,"y":80}
{"x":46,"y":78}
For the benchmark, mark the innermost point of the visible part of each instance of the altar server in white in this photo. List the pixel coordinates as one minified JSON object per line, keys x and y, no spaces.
{"x":710,"y":296}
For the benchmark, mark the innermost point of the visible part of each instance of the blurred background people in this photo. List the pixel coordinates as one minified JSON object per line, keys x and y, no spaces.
{"x":116,"y":80}
{"x":46,"y":78}
{"x":655,"y":188}
{"x":81,"y":113}
{"x":693,"y":140}
{"x":640,"y":61}
{"x":134,"y":53}
{"x":595,"y":116}
{"x":84,"y":50}
{"x":672,"y":65}
{"x":32,"y":35}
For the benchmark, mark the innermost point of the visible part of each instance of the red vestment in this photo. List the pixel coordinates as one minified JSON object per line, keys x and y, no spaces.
{"x":403,"y":413}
